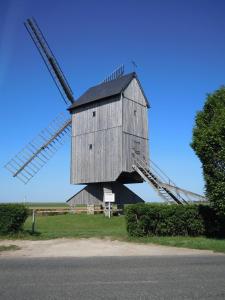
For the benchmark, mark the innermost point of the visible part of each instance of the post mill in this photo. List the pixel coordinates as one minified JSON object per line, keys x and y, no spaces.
{"x":109,"y":138}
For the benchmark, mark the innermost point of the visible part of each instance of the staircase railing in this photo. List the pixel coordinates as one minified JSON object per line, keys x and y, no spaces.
{"x":165,"y":187}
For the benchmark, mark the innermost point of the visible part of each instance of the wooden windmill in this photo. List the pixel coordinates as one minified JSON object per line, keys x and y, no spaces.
{"x":109,"y":126}
{"x":109,"y":136}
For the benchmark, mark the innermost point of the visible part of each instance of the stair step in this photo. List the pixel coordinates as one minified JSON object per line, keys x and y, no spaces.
{"x":152,"y":179}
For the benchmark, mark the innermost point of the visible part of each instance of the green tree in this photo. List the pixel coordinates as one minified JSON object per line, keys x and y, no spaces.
{"x":209,"y":144}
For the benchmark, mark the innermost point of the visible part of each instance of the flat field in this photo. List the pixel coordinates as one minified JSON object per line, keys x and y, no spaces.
{"x":47,"y":205}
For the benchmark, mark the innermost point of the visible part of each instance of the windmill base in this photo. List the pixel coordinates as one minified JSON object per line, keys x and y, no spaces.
{"x":93,"y":193}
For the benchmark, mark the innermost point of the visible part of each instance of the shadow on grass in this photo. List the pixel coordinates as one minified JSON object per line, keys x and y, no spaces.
{"x":32,"y":233}
{"x":22,"y":234}
{"x":9,"y":248}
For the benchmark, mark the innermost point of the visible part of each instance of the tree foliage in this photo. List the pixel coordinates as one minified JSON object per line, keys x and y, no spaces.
{"x":209,"y":145}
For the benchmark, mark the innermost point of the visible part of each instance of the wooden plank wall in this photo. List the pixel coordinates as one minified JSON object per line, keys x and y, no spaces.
{"x":135,"y":125}
{"x":129,"y":143}
{"x":134,"y":92}
{"x":97,"y":142}
{"x":101,"y":163}
{"x":135,"y":118}
{"x":93,"y":194}
{"x":108,"y":114}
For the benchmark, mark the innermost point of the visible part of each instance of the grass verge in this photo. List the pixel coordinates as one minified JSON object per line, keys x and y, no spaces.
{"x":200,"y":243}
{"x":87,"y":226}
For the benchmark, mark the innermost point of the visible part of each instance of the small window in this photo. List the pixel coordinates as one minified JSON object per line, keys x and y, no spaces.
{"x":93,"y":113}
{"x":90,"y":146}
{"x":135,"y":112}
{"x":137,"y":147}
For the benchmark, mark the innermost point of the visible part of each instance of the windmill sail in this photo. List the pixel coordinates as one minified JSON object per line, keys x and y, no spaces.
{"x":50,"y":60}
{"x":36,"y":154}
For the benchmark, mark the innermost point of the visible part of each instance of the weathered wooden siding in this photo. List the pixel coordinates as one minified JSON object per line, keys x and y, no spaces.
{"x":97,"y":142}
{"x":93,"y":194}
{"x":135,"y":118}
{"x":97,"y":156}
{"x":132,"y":143}
{"x":134,"y":92}
{"x":108,"y":114}
{"x":135,"y":126}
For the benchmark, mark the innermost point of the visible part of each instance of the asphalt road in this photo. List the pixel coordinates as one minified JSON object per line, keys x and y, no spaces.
{"x":194,"y":277}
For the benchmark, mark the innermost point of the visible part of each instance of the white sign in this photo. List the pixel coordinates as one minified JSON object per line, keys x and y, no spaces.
{"x":109,"y":197}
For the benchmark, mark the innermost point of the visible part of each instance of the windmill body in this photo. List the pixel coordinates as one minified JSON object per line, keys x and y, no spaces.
{"x":109,"y":124}
{"x":107,"y":129}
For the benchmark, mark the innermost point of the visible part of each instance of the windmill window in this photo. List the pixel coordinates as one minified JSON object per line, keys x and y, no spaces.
{"x":93,"y":113}
{"x":90,"y":146}
{"x":137,"y":147}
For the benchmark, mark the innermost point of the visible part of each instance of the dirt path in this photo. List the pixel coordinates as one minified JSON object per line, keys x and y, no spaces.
{"x":91,"y":247}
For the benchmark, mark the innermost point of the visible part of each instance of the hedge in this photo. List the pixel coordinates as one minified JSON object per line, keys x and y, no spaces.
{"x":172,"y":220}
{"x":12,"y":217}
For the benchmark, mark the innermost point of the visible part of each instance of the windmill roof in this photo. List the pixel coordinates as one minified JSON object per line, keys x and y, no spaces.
{"x":105,"y":90}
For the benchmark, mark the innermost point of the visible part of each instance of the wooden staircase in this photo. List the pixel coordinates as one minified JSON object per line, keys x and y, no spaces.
{"x":164,"y":186}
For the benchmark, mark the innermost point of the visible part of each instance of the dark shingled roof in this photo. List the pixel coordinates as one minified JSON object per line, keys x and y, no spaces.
{"x":105,"y":90}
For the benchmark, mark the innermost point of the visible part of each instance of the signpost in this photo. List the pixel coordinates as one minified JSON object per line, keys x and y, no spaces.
{"x":108,"y":199}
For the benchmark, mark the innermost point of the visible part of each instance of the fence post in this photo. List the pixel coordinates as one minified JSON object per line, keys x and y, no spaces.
{"x":33,"y":221}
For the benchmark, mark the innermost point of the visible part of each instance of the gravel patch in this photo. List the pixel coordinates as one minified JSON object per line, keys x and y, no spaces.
{"x":92,"y":247}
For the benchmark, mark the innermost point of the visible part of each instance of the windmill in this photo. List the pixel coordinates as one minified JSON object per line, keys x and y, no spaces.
{"x":109,"y":138}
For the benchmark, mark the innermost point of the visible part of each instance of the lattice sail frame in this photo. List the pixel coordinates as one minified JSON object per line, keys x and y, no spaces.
{"x":37,"y":153}
{"x":50,"y":60}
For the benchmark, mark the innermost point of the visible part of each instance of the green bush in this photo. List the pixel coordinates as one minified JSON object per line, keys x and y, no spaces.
{"x":214,"y":223}
{"x":172,"y":220}
{"x":12,"y":217}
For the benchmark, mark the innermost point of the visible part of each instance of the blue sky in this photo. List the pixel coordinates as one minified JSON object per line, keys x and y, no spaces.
{"x":179,"y":47}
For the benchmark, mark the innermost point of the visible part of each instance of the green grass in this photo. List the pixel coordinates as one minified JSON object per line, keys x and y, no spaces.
{"x":86,"y":226}
{"x":201,"y":243}
{"x":10,"y":247}
{"x":76,"y":226}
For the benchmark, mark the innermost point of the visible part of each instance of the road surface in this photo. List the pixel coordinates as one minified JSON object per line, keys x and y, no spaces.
{"x":166,"y":277}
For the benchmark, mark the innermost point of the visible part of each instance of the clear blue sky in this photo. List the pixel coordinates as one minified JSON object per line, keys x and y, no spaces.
{"x":179,"y":47}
